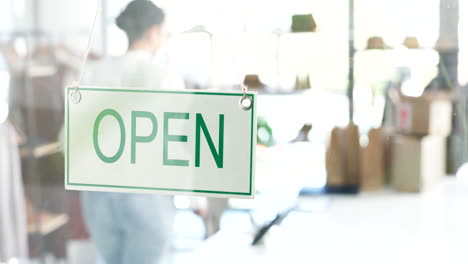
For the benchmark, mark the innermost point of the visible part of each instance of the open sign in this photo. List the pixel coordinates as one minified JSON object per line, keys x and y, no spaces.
{"x":144,"y":141}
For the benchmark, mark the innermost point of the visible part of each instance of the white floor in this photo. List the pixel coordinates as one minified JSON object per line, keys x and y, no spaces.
{"x":385,"y":227}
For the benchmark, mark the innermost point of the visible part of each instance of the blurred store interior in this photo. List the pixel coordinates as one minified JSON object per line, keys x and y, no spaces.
{"x":362,"y":127}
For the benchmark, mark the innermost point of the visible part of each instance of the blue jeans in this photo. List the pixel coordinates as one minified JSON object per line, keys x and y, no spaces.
{"x":130,"y":228}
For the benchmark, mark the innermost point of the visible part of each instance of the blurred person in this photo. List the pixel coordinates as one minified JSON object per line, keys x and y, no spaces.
{"x":133,"y":228}
{"x":212,"y":215}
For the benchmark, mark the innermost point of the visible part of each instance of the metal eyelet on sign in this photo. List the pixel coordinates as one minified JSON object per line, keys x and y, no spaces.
{"x":75,"y":96}
{"x":245,"y":102}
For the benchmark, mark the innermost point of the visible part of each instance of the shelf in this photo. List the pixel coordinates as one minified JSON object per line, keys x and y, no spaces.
{"x":41,"y":150}
{"x":48,"y":223}
{"x":281,"y":92}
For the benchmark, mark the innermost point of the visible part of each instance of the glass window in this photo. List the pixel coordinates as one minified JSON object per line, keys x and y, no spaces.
{"x":361,"y":136}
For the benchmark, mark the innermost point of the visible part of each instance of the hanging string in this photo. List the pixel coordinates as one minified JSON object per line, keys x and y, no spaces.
{"x":75,"y":96}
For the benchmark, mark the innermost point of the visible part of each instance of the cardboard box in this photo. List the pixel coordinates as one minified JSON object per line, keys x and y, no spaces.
{"x":334,"y":159}
{"x":372,"y":162}
{"x":388,"y":139}
{"x":424,"y":115}
{"x":353,"y":157}
{"x":343,"y":157}
{"x":418,"y":163}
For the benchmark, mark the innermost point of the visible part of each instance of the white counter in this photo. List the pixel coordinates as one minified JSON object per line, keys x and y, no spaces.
{"x":383,"y":227}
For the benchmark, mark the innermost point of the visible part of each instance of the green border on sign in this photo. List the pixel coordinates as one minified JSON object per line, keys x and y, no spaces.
{"x":252,"y":97}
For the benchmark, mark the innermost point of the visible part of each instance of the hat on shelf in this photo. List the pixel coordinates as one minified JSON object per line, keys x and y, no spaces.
{"x":302,"y":82}
{"x":198,"y":29}
{"x":252,"y":81}
{"x":303,"y":23}
{"x":445,"y":43}
{"x":411,"y":43}
{"x":375,"y":42}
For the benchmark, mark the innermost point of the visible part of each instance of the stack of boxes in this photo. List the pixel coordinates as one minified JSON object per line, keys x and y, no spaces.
{"x":351,"y":167}
{"x":419,"y":144}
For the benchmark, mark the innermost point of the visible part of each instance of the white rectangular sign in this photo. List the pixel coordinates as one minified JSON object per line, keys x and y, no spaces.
{"x":173,"y":142}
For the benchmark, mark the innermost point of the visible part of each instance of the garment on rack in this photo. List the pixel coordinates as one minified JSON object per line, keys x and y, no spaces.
{"x":36,"y":106}
{"x":37,"y":88}
{"x":13,"y":229}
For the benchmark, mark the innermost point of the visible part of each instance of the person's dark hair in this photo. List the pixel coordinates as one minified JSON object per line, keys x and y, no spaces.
{"x":138,"y":17}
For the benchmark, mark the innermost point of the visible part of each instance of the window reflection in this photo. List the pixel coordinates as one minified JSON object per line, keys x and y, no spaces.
{"x":408,"y":124}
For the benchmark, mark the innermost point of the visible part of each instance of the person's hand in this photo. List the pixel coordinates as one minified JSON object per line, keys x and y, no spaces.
{"x":200,"y":212}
